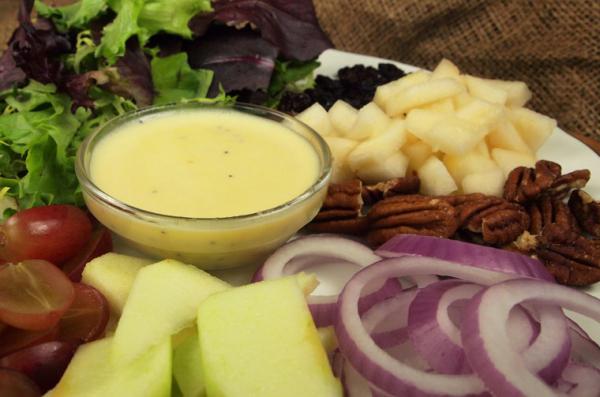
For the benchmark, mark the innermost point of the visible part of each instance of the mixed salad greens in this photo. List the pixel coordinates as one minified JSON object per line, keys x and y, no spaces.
{"x":73,"y":68}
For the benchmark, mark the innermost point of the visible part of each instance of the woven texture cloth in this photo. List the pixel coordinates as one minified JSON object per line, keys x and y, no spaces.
{"x":552,"y":45}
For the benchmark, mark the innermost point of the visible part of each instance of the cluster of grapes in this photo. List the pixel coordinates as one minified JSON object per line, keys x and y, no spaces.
{"x":355,"y":85}
{"x":45,"y":312}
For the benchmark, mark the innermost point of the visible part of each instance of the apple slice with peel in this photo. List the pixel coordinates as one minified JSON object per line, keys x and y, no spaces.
{"x":187,"y":367}
{"x":91,"y":373}
{"x":260,"y":340}
{"x":113,"y":274}
{"x":163,"y":300}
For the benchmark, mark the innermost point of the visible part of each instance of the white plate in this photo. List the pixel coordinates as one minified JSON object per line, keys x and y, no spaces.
{"x":570,"y":153}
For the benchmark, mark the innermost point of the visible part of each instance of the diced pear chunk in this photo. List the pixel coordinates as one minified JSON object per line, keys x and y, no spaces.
{"x":342,"y":117}
{"x":461,"y":100}
{"x":384,"y":92}
{"x":445,"y":69}
{"x":505,"y":136}
{"x":483,"y":149}
{"x":422,"y":94}
{"x":518,"y":94}
{"x":445,"y":132}
{"x":490,"y":182}
{"x":382,"y":146}
{"x":371,"y":121}
{"x":443,"y":106}
{"x":469,"y":163}
{"x":481,"y":112}
{"x":91,"y":373}
{"x":435,"y":178}
{"x":392,"y":167}
{"x":340,"y":148}
{"x":535,"y":128}
{"x":113,"y":274}
{"x":482,"y":89}
{"x":163,"y":300}
{"x":260,"y":340}
{"x":317,"y":118}
{"x":417,"y":153}
{"x":508,"y":160}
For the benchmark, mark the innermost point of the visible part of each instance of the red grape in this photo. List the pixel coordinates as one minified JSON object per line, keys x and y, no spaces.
{"x":99,"y":244}
{"x":87,"y":317}
{"x":44,"y":364}
{"x":33,"y":294}
{"x":15,"y":384}
{"x":54,"y":233}
{"x":14,"y":339}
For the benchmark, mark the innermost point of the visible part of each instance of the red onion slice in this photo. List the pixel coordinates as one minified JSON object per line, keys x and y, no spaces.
{"x":378,"y":367}
{"x":465,"y":253}
{"x":580,"y":380}
{"x":431,"y":331}
{"x":437,"y":337}
{"x":386,"y":321}
{"x":485,"y":339}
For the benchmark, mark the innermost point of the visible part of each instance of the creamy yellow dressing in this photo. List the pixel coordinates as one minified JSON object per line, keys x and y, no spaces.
{"x":203,"y":163}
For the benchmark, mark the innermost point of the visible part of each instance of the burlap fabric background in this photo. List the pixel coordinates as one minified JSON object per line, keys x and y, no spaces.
{"x":554,"y":45}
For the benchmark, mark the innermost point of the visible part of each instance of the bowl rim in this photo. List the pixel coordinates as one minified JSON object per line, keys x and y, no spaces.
{"x":292,"y":123}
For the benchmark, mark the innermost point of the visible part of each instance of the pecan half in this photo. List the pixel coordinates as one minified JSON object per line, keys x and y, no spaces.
{"x":573,"y":180}
{"x":549,"y":209}
{"x":347,"y":195}
{"x":356,"y":225}
{"x":524,"y":184}
{"x":571,"y":258}
{"x":342,"y":210}
{"x":410,"y":214}
{"x":586,"y":210}
{"x":496,"y":220}
{"x":393,"y":187}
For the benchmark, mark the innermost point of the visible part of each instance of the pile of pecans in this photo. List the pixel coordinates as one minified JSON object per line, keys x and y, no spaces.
{"x":532,"y":217}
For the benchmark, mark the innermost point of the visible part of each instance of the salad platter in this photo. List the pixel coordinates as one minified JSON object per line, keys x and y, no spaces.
{"x":387,"y":231}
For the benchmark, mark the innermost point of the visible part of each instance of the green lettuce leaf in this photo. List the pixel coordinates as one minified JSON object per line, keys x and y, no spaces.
{"x":174,"y":80}
{"x":76,"y":15}
{"x":291,"y":76}
{"x":39,"y":137}
{"x":144,"y":18}
{"x":125,"y":25}
{"x":171,"y":16}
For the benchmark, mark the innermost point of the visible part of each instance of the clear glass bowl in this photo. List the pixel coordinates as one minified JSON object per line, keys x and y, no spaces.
{"x":209,"y":243}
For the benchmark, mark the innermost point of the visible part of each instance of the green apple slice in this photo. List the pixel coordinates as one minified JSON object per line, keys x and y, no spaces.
{"x":187,"y":366}
{"x":163,"y":300}
{"x":260,"y":340}
{"x":92,"y":374}
{"x":113,"y":274}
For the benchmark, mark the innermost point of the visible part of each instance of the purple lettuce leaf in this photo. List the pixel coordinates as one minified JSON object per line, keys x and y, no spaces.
{"x":36,"y":48}
{"x":10,"y":73}
{"x":240,"y":59}
{"x":134,"y":76}
{"x":130,"y":78}
{"x":290,"y":25}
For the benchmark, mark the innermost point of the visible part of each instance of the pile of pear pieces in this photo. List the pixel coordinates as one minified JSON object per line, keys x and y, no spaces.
{"x":459,"y":133}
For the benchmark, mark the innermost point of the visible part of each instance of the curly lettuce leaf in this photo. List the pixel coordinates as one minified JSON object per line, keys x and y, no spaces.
{"x":77,"y":15}
{"x":39,"y":135}
{"x":144,"y":18}
{"x":171,"y":16}
{"x":174,"y":79}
